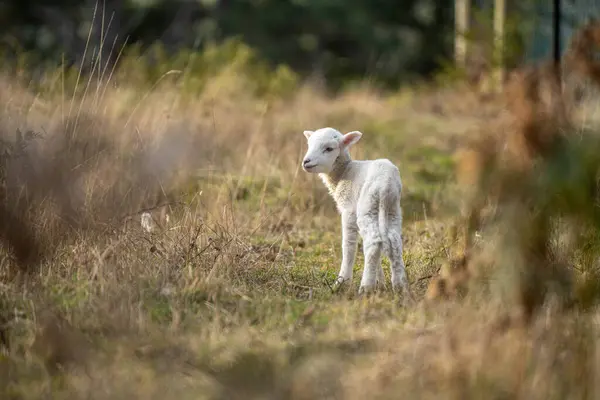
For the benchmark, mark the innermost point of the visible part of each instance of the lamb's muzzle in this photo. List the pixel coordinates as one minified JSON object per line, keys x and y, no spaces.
{"x":305,"y":164}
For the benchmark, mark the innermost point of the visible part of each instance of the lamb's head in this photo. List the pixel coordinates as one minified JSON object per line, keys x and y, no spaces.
{"x":324,"y":147}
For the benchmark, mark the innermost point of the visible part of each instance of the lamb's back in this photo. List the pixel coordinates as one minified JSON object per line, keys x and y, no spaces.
{"x":365,"y":178}
{"x":382,"y":174}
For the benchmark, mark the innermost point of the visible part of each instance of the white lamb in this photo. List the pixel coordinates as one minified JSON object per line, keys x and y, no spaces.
{"x":367,"y":195}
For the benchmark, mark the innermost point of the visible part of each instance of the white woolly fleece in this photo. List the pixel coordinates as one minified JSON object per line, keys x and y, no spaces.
{"x":367,"y":195}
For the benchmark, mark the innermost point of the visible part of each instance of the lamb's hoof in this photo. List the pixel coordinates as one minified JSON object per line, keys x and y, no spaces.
{"x":405,"y":293}
{"x":340,"y":284}
{"x":366,"y":290}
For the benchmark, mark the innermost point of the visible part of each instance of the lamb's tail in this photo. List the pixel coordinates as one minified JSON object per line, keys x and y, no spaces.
{"x":383,"y":224}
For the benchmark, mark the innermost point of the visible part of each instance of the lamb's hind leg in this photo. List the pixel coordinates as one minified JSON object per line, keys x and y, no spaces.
{"x":395,"y":250}
{"x":372,"y":245}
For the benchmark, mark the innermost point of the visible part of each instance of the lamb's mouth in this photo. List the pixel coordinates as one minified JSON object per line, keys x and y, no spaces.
{"x":309,"y":167}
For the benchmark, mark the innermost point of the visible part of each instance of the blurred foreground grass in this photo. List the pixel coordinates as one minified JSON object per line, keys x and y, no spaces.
{"x":231,"y":297}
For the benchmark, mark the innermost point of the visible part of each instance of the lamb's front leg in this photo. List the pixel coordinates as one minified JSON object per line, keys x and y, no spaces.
{"x":349,"y":241}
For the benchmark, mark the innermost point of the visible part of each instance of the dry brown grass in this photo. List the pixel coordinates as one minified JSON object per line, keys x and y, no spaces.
{"x":540,"y":131}
{"x":232,"y":298}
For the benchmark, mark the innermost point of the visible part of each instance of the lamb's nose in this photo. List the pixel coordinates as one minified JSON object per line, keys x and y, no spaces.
{"x":306,"y":161}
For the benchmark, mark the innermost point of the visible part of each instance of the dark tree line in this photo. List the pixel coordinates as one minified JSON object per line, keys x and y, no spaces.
{"x":389,"y":40}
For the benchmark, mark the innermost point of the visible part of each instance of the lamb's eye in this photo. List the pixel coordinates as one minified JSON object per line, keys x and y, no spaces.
{"x":328,"y":149}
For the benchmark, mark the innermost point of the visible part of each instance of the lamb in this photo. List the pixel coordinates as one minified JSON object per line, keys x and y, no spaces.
{"x":367,"y":195}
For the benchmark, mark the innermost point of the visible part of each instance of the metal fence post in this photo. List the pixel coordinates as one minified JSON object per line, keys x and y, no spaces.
{"x":556,"y":9}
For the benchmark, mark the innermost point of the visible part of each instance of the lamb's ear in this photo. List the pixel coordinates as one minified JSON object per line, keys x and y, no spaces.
{"x":307,"y":134}
{"x":351,"y":138}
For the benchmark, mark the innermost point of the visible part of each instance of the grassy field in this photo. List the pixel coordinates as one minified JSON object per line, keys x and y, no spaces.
{"x":231,"y":298}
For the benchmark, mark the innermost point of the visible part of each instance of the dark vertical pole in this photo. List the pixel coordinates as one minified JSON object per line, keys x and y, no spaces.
{"x":556,"y":31}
